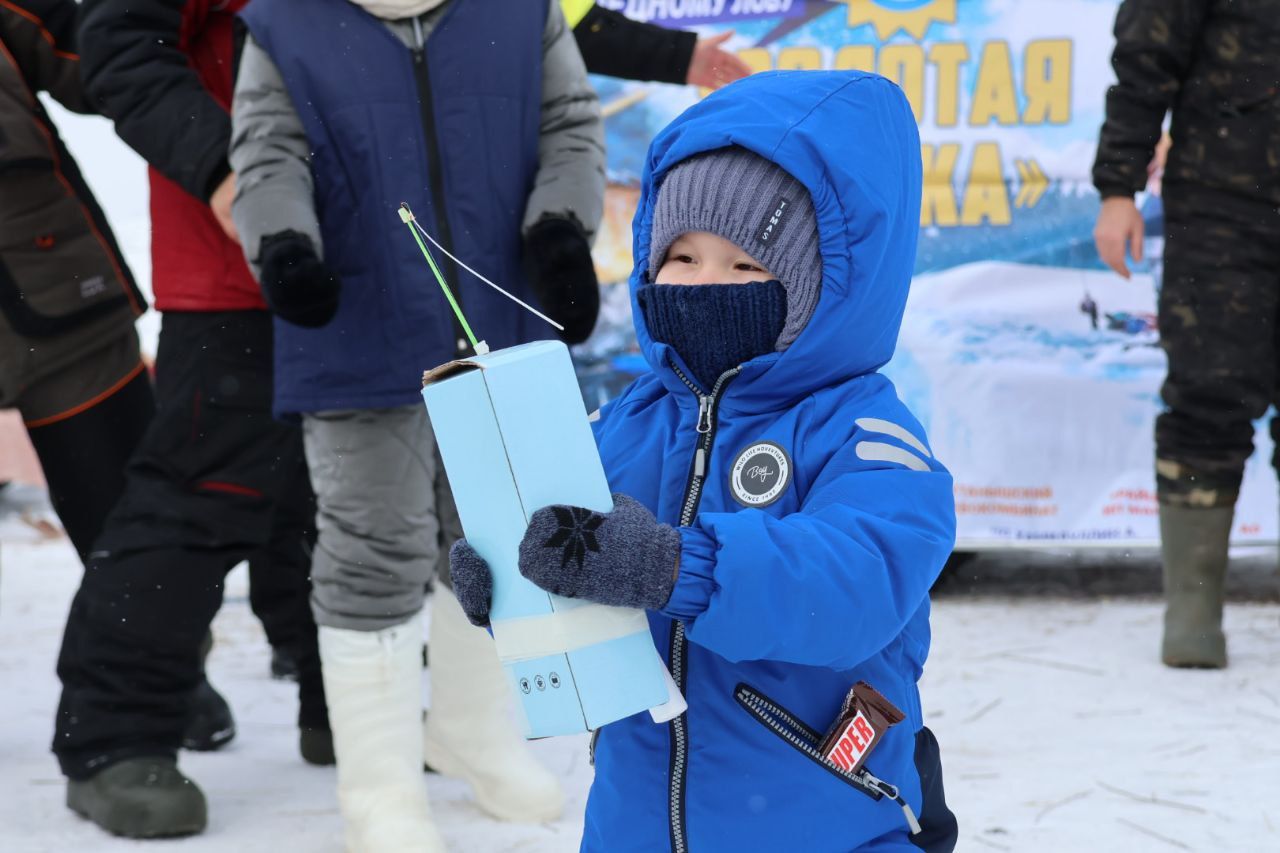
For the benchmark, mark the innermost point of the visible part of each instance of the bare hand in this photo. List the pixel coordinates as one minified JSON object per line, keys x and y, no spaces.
{"x":712,"y":67}
{"x":220,"y":201}
{"x":1161,"y":156}
{"x":1119,"y":227}
{"x":1155,"y":169}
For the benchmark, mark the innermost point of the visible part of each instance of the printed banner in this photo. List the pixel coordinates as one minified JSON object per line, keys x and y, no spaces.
{"x":686,"y":13}
{"x":1036,"y":371}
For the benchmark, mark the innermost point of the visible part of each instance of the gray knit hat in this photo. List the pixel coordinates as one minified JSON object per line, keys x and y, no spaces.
{"x":755,"y":204}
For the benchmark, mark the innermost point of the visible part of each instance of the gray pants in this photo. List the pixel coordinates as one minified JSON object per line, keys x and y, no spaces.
{"x":385,"y":516}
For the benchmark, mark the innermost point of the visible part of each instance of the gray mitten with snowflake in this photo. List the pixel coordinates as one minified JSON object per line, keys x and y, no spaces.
{"x":625,"y":558}
{"x":472,"y":582}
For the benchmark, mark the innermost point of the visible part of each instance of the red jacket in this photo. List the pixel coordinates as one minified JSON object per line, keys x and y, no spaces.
{"x":163,"y":70}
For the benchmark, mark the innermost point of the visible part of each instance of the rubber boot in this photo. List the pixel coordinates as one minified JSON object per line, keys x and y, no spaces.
{"x":470,"y":732}
{"x":316,"y":746}
{"x":1193,"y":543}
{"x":373,"y":682}
{"x":140,"y":798}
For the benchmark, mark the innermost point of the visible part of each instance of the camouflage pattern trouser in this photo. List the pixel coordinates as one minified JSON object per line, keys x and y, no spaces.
{"x":1219,"y":307}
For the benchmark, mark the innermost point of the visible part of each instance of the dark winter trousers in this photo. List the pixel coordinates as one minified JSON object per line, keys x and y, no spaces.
{"x":277,"y":578}
{"x":1219,"y":307}
{"x":213,"y":480}
{"x":84,"y":456}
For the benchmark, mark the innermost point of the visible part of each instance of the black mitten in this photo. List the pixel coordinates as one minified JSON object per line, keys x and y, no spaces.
{"x":557,"y":259}
{"x":299,"y":287}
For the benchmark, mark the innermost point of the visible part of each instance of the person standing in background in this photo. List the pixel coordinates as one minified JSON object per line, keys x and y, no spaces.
{"x":216,"y":480}
{"x":616,"y":46}
{"x":69,"y":358}
{"x":481,"y":116}
{"x":1216,"y":65}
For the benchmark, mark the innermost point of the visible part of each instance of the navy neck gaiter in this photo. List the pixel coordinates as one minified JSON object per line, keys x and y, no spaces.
{"x":715,"y":327}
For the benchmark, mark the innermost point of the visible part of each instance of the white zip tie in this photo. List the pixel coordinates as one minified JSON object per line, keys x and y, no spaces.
{"x":460,"y":263}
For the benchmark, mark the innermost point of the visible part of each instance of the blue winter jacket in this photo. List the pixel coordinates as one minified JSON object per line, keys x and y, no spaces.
{"x":812,"y":514}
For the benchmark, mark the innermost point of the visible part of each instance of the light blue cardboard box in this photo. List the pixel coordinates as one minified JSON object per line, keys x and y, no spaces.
{"x":514,"y":435}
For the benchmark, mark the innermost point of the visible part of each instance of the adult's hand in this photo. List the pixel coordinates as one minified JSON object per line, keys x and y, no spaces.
{"x":299,"y":287}
{"x":221,"y":200}
{"x":1119,"y":227}
{"x":712,"y":67}
{"x":557,"y":259}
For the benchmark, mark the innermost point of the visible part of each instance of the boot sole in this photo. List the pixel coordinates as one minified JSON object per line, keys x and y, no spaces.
{"x":1194,"y":652}
{"x":212,"y":743}
{"x":133,"y":824}
{"x":1193,"y":663}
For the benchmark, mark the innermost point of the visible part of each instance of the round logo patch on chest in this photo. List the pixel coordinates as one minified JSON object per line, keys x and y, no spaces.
{"x":760,"y":474}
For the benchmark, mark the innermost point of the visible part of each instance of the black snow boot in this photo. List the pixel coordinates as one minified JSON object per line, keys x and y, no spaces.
{"x":316,"y":746}
{"x":210,"y":725}
{"x":140,"y":798}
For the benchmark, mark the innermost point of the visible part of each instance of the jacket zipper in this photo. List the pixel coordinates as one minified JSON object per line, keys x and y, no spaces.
{"x":786,"y":726}
{"x":679,"y":652}
{"x":435,"y":175}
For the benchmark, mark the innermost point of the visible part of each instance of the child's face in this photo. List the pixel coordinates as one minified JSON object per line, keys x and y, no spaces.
{"x":702,"y":258}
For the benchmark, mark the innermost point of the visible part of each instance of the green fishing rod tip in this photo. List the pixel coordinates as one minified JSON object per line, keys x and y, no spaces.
{"x":406,"y":215}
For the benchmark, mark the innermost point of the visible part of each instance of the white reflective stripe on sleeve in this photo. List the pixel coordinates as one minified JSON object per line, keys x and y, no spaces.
{"x":875,"y":451}
{"x":593,"y":417}
{"x":564,"y":631}
{"x":891,"y":429}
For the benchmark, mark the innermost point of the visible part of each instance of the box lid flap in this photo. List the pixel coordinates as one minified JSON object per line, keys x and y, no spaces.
{"x":495,"y":359}
{"x":448,"y":369}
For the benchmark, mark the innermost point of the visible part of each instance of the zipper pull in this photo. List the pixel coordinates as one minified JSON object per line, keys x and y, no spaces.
{"x":704,"y":415}
{"x":892,"y":792}
{"x":912,"y":822}
{"x":417,"y":34}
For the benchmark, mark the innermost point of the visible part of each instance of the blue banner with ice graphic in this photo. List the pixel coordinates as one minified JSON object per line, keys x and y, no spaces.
{"x":1036,"y":371}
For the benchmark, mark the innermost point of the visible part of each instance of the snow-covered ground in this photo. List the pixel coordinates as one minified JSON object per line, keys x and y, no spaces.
{"x":1060,"y":732}
{"x":262,"y":797}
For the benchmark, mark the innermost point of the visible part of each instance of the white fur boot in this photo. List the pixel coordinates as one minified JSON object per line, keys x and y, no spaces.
{"x":470,"y":733}
{"x":373,"y":683}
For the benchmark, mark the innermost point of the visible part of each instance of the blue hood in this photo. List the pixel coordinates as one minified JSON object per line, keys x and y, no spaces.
{"x":851,"y":139}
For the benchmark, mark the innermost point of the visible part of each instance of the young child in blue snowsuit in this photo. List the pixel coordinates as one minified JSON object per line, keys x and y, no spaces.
{"x":777,"y":511}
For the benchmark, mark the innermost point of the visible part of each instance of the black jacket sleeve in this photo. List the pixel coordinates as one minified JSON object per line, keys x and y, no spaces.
{"x":137,"y":74}
{"x":616,"y":46}
{"x":1156,"y":42}
{"x":41,"y":37}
